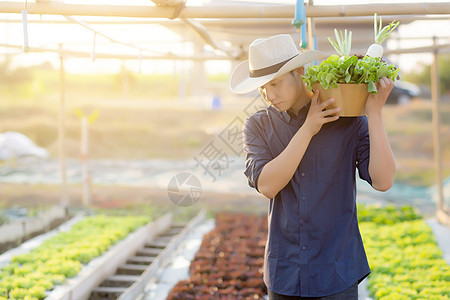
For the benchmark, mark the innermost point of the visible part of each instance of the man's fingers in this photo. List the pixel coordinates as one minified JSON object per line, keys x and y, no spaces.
{"x":315,"y":98}
{"x":331,"y":112}
{"x":330,"y":119}
{"x":385,"y":83}
{"x":324,"y":104}
{"x":327,"y":115}
{"x":315,"y":101}
{"x":390,"y":83}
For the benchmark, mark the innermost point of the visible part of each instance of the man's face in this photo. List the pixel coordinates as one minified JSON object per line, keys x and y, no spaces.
{"x":283,"y":92}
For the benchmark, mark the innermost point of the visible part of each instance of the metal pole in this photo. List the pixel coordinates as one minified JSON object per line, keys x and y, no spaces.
{"x":440,"y":213}
{"x":198,"y":78}
{"x":61,"y":131}
{"x":86,"y":197}
{"x":310,"y":27}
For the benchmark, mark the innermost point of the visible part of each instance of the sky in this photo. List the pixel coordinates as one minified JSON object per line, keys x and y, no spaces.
{"x":48,"y":36}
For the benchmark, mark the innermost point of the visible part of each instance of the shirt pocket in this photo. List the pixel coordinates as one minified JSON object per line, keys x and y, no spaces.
{"x":331,"y":164}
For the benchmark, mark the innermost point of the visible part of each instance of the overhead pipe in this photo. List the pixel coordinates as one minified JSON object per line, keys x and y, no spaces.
{"x":238,"y":22}
{"x":168,"y":56}
{"x":424,"y":49}
{"x":220,"y":11}
{"x":203,"y":57}
{"x":112,"y":40}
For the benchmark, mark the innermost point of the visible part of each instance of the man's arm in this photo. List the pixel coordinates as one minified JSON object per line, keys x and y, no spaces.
{"x":382,"y":162}
{"x":277,"y":173}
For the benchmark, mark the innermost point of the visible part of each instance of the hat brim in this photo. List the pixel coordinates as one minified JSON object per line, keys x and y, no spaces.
{"x":242,"y":83}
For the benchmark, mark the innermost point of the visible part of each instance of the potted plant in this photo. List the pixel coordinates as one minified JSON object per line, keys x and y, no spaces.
{"x":350,"y":78}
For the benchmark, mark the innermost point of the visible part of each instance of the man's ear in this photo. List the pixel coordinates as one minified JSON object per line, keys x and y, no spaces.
{"x":300,"y":71}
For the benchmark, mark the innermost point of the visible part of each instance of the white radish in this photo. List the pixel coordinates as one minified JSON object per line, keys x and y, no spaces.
{"x":376,"y":50}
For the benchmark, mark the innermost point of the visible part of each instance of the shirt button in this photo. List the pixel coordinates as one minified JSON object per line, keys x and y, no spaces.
{"x":303,"y":198}
{"x":303,"y":174}
{"x":304,"y":247}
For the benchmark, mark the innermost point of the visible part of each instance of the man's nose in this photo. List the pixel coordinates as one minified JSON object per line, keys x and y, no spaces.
{"x":270,"y":95}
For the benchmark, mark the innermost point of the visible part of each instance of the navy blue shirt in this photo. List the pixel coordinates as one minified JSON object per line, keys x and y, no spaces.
{"x":314,"y":246}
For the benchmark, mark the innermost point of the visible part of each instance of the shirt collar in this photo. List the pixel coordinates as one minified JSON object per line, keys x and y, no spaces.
{"x":290,"y":116}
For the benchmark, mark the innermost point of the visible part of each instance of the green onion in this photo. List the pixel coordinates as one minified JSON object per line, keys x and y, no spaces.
{"x":343,"y":44}
{"x":383,"y":33}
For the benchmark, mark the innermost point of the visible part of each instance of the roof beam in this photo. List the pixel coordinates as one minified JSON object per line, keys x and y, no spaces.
{"x":244,"y":11}
{"x":207,"y":38}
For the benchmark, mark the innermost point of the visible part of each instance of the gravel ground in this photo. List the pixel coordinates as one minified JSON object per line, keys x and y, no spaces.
{"x":221,"y":176}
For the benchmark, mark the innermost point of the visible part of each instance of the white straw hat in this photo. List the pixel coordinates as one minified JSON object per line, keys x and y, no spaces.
{"x":269,"y":58}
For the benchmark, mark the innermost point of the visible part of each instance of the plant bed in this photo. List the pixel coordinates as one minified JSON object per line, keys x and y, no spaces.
{"x":33,"y":223}
{"x":32,"y":275}
{"x":404,"y":257}
{"x":229,"y":263}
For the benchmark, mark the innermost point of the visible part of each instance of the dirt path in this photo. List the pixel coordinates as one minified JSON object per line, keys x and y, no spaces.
{"x":122,"y":196}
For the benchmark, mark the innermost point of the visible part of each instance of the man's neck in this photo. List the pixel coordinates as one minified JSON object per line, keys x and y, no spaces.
{"x":302,"y":101}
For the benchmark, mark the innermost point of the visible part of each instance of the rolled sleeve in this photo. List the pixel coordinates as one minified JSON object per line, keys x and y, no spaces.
{"x":257,"y":152}
{"x":363,"y":150}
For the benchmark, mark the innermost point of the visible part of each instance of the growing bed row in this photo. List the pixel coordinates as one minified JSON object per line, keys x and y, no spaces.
{"x":29,"y":276}
{"x":405,"y":259}
{"x":229,"y":263}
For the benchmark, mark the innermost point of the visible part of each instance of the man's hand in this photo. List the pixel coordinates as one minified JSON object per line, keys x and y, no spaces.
{"x":319,"y":115}
{"x":375,"y":102}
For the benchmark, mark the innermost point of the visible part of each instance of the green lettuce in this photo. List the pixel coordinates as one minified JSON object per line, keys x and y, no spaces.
{"x":349,"y":69}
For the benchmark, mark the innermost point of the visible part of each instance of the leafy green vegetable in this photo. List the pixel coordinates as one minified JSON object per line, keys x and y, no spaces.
{"x":387,"y":214}
{"x":349,"y":69}
{"x":29,"y":275}
{"x":404,"y":257}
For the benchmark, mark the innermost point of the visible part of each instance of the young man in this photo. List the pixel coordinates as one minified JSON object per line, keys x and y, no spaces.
{"x":303,"y":157}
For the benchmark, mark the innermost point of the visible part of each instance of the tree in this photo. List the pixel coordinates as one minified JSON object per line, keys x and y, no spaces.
{"x":12,"y":76}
